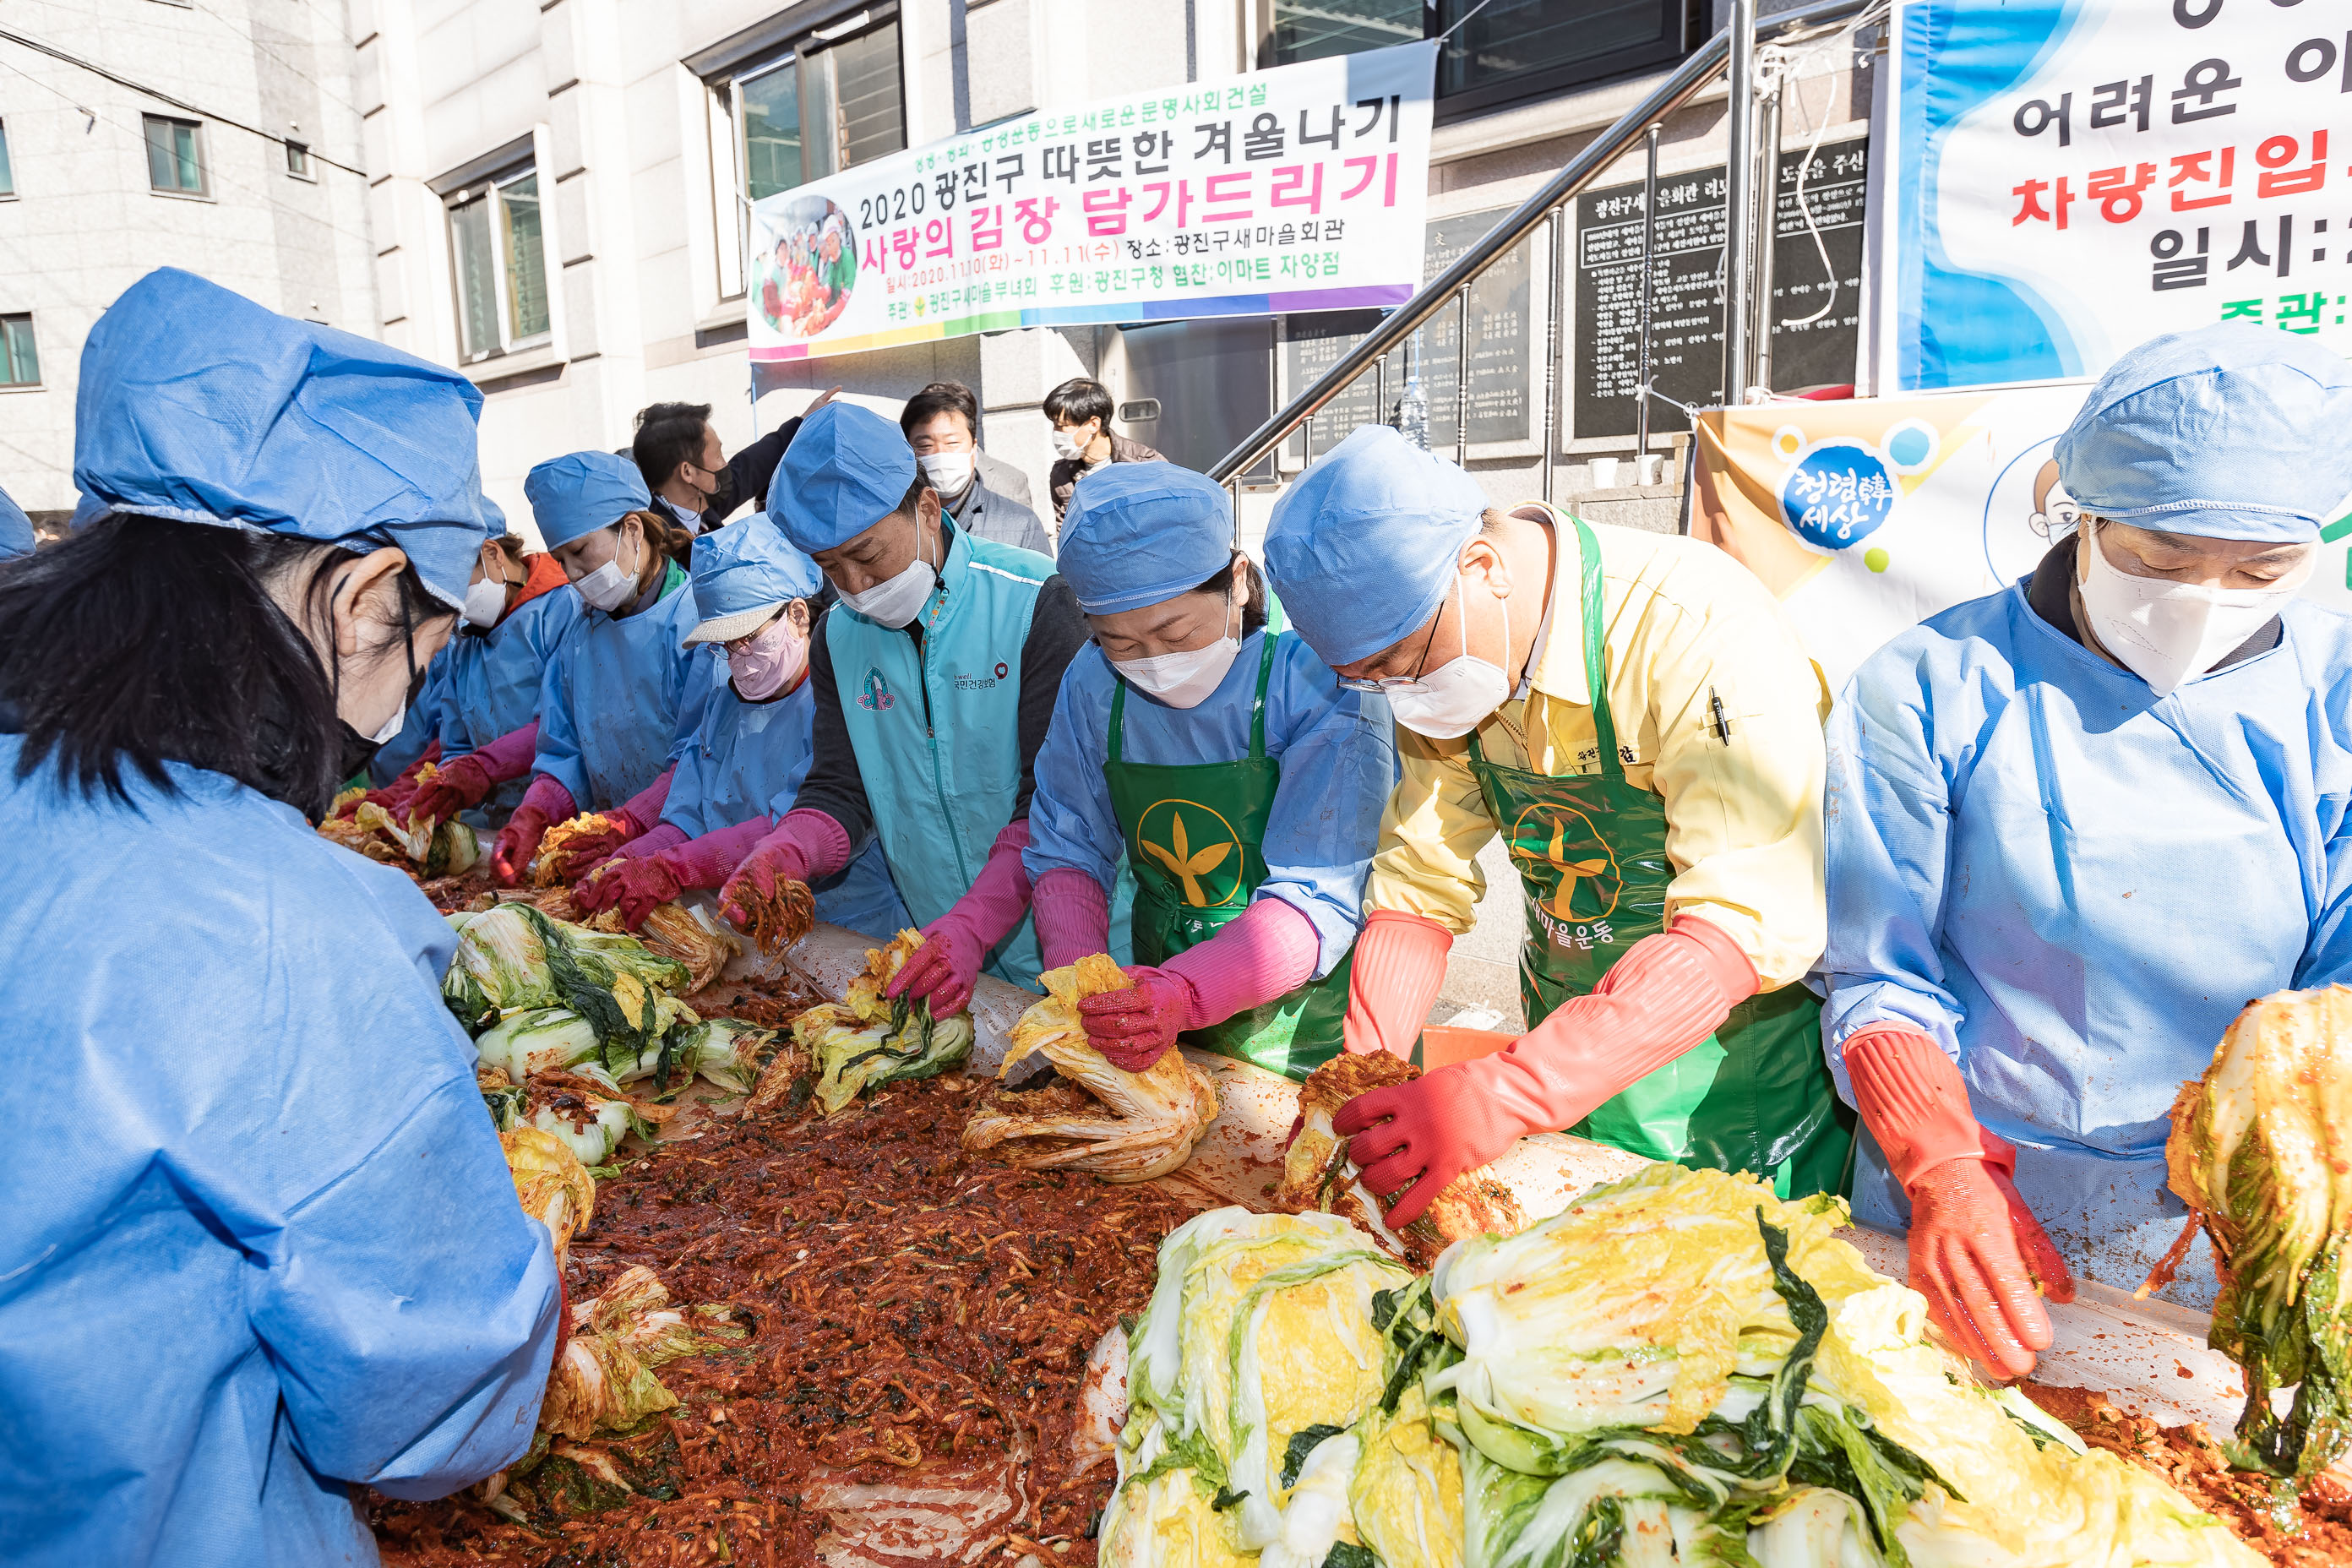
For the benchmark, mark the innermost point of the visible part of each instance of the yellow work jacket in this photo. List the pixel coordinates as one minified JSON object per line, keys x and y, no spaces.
{"x":1688,"y":630}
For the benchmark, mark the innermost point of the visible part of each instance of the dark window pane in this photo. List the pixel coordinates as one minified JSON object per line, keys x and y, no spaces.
{"x":7,"y":172}
{"x":866,"y":93}
{"x":298,"y":158}
{"x":771,"y":132}
{"x":20,"y":361}
{"x":1518,"y":38}
{"x":1313,"y":29}
{"x":526,"y":259}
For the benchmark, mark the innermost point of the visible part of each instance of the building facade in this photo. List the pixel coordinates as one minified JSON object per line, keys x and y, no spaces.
{"x":223,"y":138}
{"x":558,"y":190}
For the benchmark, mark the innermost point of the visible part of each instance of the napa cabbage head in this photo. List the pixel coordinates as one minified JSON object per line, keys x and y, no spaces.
{"x":1554,"y":1345}
{"x":501,"y":963}
{"x":1405,"y":1495}
{"x":1260,"y":1328}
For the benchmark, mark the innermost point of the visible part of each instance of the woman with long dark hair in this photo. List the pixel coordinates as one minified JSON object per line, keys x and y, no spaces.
{"x":261,"y":1245}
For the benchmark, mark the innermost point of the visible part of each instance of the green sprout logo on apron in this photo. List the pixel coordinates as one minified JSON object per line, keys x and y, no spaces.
{"x":1564,"y":856}
{"x":1166,"y":835}
{"x":1197,"y":866}
{"x":1755,"y":1095}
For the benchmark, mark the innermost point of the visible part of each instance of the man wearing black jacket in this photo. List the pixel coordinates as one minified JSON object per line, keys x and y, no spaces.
{"x":686,"y":467}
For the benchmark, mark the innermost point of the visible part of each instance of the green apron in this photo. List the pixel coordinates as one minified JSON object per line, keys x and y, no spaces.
{"x":1591,"y":853}
{"x":1194,"y":832}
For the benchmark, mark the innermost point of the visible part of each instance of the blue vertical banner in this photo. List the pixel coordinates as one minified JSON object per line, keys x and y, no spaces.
{"x":2076,"y":176}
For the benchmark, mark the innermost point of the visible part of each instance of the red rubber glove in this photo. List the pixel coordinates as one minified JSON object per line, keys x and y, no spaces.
{"x":639,"y":816}
{"x":464,"y":783}
{"x":545,"y":802}
{"x":1667,"y":993}
{"x":945,"y":968}
{"x":661,"y":836}
{"x":635,"y":883}
{"x":1399,"y":964}
{"x":635,"y":887}
{"x":1266,"y":952}
{"x":1975,"y":1249}
{"x":1073,"y":917}
{"x":805,"y":845}
{"x":1133,"y":1029}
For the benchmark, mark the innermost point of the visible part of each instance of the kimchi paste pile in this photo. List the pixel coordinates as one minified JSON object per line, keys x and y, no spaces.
{"x":2313,"y":1531}
{"x":921,"y":1324}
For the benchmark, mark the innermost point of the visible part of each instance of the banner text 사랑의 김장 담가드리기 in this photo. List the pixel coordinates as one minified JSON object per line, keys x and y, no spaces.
{"x":1300,"y":188}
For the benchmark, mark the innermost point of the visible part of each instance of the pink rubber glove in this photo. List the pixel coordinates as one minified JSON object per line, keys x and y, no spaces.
{"x":1266,"y":952}
{"x":805,"y":846}
{"x":1073,"y":917}
{"x":1975,"y":1249}
{"x":945,"y":967}
{"x":1667,"y":994}
{"x":634,"y":884}
{"x":661,"y":836}
{"x":639,"y":816}
{"x":467,"y":781}
{"x":1399,"y":963}
{"x":545,"y":802}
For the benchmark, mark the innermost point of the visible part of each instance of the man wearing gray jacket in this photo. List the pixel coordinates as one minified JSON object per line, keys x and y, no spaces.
{"x":985,"y":498}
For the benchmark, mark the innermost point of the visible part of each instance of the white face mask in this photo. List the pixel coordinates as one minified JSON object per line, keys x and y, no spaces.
{"x":608,"y":587}
{"x":896,"y":601}
{"x":1067,"y":445}
{"x":1182,"y":679}
{"x":391,"y":727}
{"x":1451,"y":700}
{"x":949,"y":471}
{"x":485,"y":601}
{"x":2169,"y":633}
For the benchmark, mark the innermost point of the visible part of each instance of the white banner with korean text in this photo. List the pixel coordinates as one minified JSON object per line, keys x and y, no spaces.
{"x":2072,"y":177}
{"x":1300,"y":188}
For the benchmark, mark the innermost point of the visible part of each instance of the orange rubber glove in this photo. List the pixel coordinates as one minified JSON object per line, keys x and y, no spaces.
{"x":1400,"y":963}
{"x":1668,"y":992}
{"x":1976,"y":1250}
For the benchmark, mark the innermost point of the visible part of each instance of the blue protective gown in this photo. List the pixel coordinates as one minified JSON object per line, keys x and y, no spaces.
{"x":260,"y":1242}
{"x":739,"y":759}
{"x":615,"y":695}
{"x":1339,"y":763}
{"x":490,"y":684}
{"x":2074,"y":885}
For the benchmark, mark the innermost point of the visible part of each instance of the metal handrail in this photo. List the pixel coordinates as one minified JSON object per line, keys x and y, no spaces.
{"x":1688,"y":80}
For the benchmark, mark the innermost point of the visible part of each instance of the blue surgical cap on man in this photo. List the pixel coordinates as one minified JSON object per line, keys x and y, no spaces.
{"x":198,"y":405}
{"x":846,"y":469}
{"x":2232,"y":431}
{"x":741,"y":573}
{"x":574,"y":495}
{"x":1362,"y":546}
{"x":15,"y":530}
{"x":1141,"y":533}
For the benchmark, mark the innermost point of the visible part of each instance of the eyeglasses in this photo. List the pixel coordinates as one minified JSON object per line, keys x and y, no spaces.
{"x":1401,"y":685}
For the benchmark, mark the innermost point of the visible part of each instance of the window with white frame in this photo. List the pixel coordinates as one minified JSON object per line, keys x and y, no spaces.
{"x":500,"y":255}
{"x":298,"y":161}
{"x":20,"y":361}
{"x":175,"y":156}
{"x":8,"y":170}
{"x":833,"y":100}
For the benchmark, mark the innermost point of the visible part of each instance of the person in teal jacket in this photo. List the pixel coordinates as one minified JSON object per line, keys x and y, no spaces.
{"x":615,"y":691}
{"x":935,"y":677}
